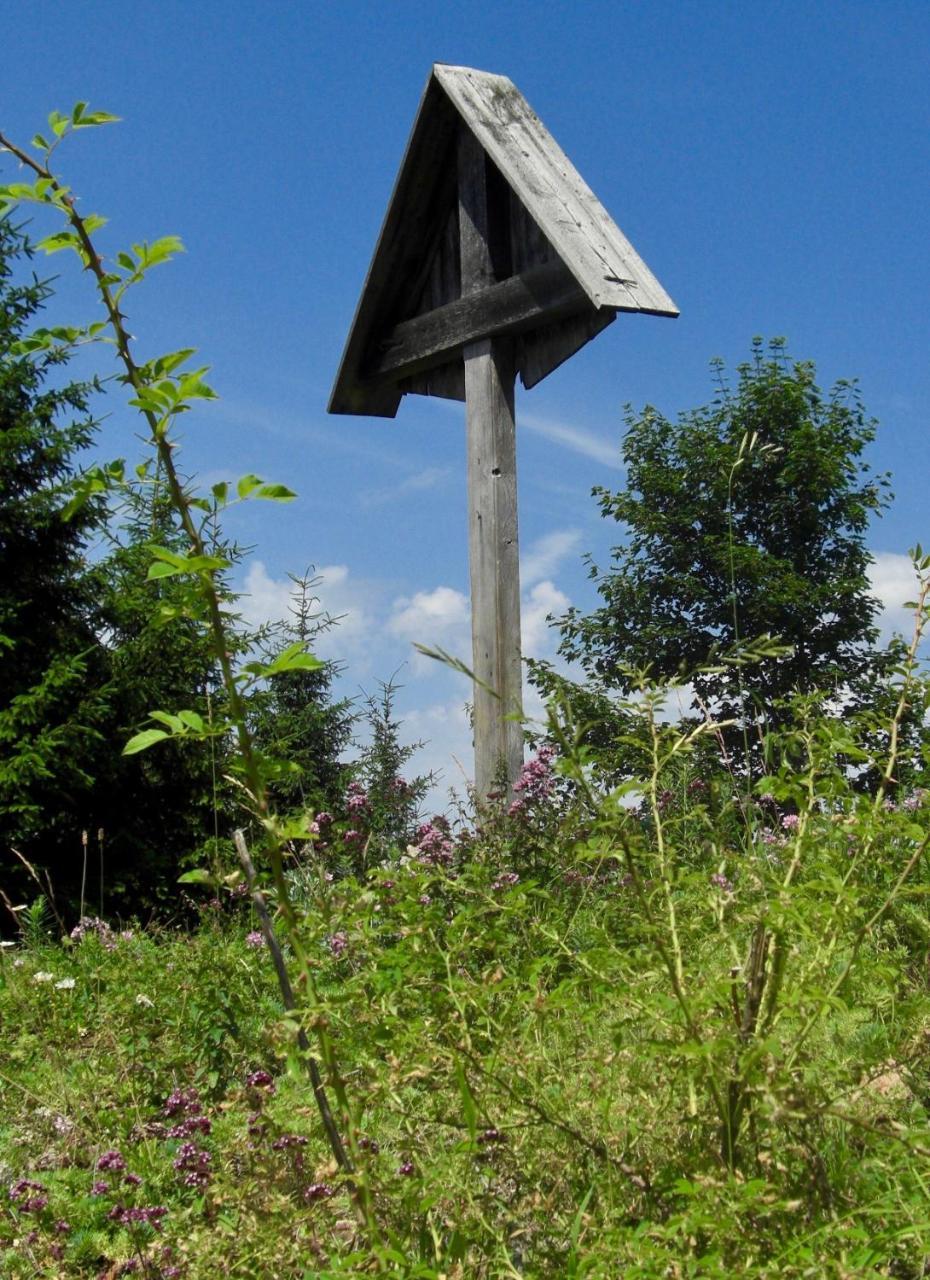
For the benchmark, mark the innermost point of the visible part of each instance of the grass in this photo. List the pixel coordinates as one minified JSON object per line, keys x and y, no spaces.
{"x":526,"y":1100}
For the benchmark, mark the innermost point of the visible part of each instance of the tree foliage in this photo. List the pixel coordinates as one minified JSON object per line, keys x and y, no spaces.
{"x":746,"y":517}
{"x":50,"y":657}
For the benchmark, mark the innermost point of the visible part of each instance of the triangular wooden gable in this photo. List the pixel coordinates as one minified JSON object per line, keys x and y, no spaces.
{"x":562,"y":267}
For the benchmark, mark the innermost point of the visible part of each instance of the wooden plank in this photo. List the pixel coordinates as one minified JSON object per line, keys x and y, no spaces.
{"x":447,"y":382}
{"x":543,"y":350}
{"x":567,"y":211}
{"x":494,"y":555}
{"x":538,"y":296}
{"x":414,"y":217}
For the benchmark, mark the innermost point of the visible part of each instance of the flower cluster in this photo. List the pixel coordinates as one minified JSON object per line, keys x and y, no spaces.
{"x":26,"y":1203}
{"x":111,"y":1161}
{"x":194,"y":1163}
{"x":535,"y":782}
{"x":720,"y":881}
{"x":260,"y":1080}
{"x":357,"y":802}
{"x":187,"y":1110}
{"x":288,"y":1140}
{"x":433,"y":844}
{"x":150,"y":1216}
{"x":255,"y":939}
{"x":506,"y":880}
{"x":317,"y":1191}
{"x":338,"y":943}
{"x":89,"y":926}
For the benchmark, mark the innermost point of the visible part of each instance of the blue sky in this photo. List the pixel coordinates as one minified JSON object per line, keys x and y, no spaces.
{"x":769,"y":163}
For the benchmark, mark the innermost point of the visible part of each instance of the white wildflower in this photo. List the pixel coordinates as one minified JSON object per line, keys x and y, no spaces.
{"x":42,"y":976}
{"x":66,"y":984}
{"x":145,"y":1001}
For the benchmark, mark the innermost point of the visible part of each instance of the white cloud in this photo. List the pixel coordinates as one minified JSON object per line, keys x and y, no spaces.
{"x":546,"y":554}
{"x":893,"y":581}
{"x":538,"y":637}
{"x":438,"y":618}
{"x":579,"y":440}
{"x":267,"y":599}
{"x":447,"y":749}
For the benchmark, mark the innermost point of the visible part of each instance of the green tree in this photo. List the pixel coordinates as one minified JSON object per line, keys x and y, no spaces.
{"x":159,"y":808}
{"x":85,"y":654}
{"x":295,"y":719}
{"x":745,"y":517}
{"x":50,"y":657}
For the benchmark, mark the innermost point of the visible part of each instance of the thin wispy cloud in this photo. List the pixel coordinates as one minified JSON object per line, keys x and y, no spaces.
{"x":546,"y":554}
{"x":578,"y":439}
{"x":419,"y":482}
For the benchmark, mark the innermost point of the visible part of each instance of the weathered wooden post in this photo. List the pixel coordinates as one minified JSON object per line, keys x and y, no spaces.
{"x":494,"y":259}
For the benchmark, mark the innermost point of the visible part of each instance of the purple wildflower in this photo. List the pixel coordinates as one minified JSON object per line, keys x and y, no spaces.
{"x":288,"y":1140}
{"x":432,"y":842}
{"x":260,"y":1080}
{"x":194,"y":1163}
{"x":25,"y":1184}
{"x":491,"y":1135}
{"x":255,"y":939}
{"x":189,"y":1125}
{"x":720,"y":881}
{"x":111,"y":1161}
{"x":536,"y":779}
{"x":99,"y":1188}
{"x":126,"y":1215}
{"x":505,"y":881}
{"x":790,"y":822}
{"x":338,"y":943}
{"x":317,"y":1191}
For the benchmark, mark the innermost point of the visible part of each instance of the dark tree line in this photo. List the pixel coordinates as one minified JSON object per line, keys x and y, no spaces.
{"x":88,"y":648}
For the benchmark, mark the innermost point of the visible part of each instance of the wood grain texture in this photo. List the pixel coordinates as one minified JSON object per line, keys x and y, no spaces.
{"x":541,"y":294}
{"x":565,"y":208}
{"x":553,"y":215}
{"x":494,"y":553}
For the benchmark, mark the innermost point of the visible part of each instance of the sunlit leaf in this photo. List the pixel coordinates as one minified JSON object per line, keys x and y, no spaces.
{"x":142,"y":741}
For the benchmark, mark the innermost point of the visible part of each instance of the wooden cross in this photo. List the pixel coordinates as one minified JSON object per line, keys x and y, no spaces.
{"x":495,"y":259}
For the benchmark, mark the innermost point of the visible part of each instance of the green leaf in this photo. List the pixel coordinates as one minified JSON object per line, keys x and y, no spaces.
{"x":159,"y":251}
{"x":293,"y":658}
{"x":192,"y":387}
{"x":59,"y":124}
{"x":161,"y":570}
{"x":165,"y":553}
{"x":174,"y":723}
{"x":276,"y":493}
{"x":40,"y":142}
{"x":168,"y":363}
{"x":77,"y":111}
{"x":89,"y":119}
{"x":198,"y":876}
{"x":60,"y":240}
{"x":142,"y":741}
{"x":19,"y":191}
{"x":247,"y":484}
{"x":469,"y":1110}
{"x":221,"y":492}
